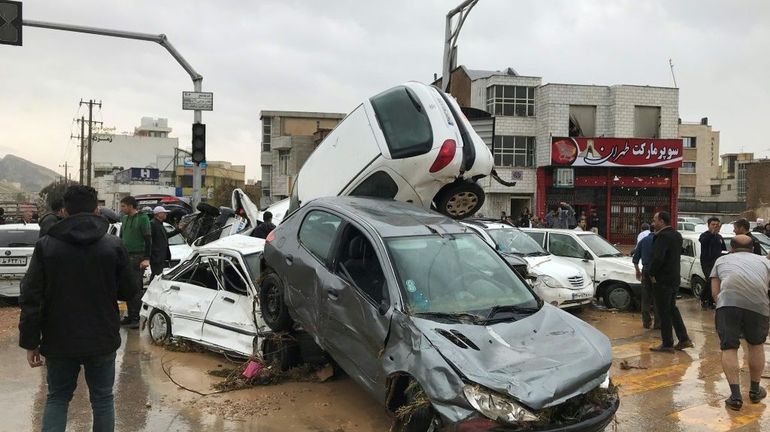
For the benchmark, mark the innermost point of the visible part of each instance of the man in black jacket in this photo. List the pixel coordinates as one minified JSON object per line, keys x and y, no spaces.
{"x":265,"y":228}
{"x":51,"y":218}
{"x":711,"y":246}
{"x":69,"y":309}
{"x":742,"y":227}
{"x":160,"y":253}
{"x":665,"y":277}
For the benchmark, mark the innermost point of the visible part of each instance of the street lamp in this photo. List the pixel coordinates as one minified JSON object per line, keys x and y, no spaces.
{"x":450,"y":39}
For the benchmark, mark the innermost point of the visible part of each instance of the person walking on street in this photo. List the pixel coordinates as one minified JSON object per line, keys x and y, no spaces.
{"x":742,"y":227}
{"x":644,"y":233}
{"x":160,"y":253}
{"x":137,"y":236}
{"x":267,"y":226}
{"x":560,"y":216}
{"x":69,"y":309}
{"x":665,"y":276}
{"x":711,"y":246}
{"x":740,"y":282}
{"x":643,"y":253}
{"x":51,"y":218}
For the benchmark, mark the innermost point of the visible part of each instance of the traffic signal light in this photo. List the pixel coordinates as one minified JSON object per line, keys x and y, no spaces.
{"x":198,"y":142}
{"x":10,"y":22}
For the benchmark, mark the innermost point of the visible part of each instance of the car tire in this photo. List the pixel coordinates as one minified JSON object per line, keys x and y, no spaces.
{"x":159,"y":327}
{"x":460,"y":199}
{"x":281,"y":351}
{"x":619,"y":297}
{"x":272,"y":304}
{"x":697,"y":285}
{"x":422,"y":419}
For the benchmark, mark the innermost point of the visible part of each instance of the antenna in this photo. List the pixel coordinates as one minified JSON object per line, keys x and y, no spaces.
{"x":671,"y":65}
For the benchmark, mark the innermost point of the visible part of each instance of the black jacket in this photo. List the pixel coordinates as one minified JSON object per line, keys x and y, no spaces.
{"x":711,"y":247}
{"x":69,"y":296}
{"x":160,"y":252}
{"x":47,"y":221}
{"x":666,"y":256}
{"x":263,"y":230}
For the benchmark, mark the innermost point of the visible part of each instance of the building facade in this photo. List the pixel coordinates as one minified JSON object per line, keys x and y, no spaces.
{"x":531,"y":119}
{"x":700,"y":163}
{"x":288,"y":139}
{"x":213,"y":175}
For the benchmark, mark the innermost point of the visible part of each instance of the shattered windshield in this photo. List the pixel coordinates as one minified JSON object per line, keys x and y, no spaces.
{"x":515,"y":242}
{"x":455,"y":274}
{"x":599,"y":246}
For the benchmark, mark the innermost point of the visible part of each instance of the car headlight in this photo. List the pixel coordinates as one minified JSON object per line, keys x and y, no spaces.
{"x":549,"y":281}
{"x":496,"y":407}
{"x":606,"y":384}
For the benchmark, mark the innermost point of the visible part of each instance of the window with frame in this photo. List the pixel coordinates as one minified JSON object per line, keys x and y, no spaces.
{"x":687,"y":192}
{"x":582,"y":120}
{"x":688,"y":142}
{"x":516,"y":151}
{"x":267,"y":172}
{"x":565,"y":246}
{"x":359,"y":265}
{"x":688,"y":248}
{"x":716,"y":189}
{"x":646,"y":121}
{"x":317,"y":233}
{"x":283,"y":162}
{"x":688,"y":168}
{"x":267,"y":133}
{"x":513,"y":101}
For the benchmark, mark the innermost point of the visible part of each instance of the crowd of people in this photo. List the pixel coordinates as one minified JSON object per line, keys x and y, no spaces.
{"x":561,"y":215}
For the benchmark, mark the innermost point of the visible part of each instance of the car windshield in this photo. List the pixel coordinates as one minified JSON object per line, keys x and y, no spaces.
{"x":176,"y":240}
{"x":18,"y":238}
{"x":455,"y":274}
{"x":404,"y":122}
{"x":513,"y":241}
{"x":762,"y":238}
{"x":252,"y":262}
{"x":599,"y":246}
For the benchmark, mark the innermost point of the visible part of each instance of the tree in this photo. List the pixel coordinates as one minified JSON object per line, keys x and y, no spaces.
{"x":223,"y":193}
{"x":54,"y":191}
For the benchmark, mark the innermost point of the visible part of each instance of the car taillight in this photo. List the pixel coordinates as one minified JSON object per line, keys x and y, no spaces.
{"x":270,"y":237}
{"x":445,"y":155}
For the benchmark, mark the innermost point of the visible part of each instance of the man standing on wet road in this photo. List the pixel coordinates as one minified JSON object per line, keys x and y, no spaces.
{"x":665,"y":277}
{"x":69,"y":309}
{"x":643,"y":253}
{"x":711,"y":246}
{"x":137,"y":237}
{"x":740,"y":282}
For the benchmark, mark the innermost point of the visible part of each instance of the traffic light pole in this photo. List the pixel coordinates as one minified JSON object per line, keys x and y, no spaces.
{"x":160,"y":39}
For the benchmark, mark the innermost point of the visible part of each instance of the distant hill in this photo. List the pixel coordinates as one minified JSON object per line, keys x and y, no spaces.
{"x":32,"y":177}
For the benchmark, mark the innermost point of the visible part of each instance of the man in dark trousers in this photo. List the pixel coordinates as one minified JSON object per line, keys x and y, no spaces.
{"x":263,"y":230}
{"x":69,"y":309}
{"x":711,"y":246}
{"x":665,"y":277}
{"x":643,"y":253}
{"x":51,"y":218}
{"x":742,"y":227}
{"x":160,"y":253}
{"x":137,"y":237}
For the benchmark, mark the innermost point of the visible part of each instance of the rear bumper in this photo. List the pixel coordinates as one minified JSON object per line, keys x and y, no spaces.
{"x":10,"y":287}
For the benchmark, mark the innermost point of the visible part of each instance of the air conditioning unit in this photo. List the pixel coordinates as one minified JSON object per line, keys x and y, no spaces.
{"x":564,"y":177}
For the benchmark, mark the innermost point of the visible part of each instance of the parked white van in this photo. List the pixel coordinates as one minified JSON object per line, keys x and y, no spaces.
{"x":613,"y":273}
{"x":410,"y":143}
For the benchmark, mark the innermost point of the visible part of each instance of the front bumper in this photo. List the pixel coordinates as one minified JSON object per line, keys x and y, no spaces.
{"x":10,"y":287}
{"x":566,"y":297}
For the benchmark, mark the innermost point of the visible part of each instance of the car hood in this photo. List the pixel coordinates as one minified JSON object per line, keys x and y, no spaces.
{"x":553,"y":266}
{"x":541,"y":360}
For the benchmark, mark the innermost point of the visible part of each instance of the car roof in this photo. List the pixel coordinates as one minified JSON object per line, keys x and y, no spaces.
{"x":245,"y":245}
{"x":488,"y":223}
{"x":391,"y":218}
{"x":20,"y":226}
{"x":559,"y":230}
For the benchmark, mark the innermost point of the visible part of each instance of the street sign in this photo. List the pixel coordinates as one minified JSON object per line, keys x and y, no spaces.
{"x":203,"y":101}
{"x":10,"y":23}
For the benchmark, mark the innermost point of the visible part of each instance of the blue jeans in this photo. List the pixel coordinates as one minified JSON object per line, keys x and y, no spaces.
{"x":62,"y":379}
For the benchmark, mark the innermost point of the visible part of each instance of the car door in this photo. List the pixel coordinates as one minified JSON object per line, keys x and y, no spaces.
{"x":307,"y":266}
{"x":566,"y":246}
{"x":190,"y":294}
{"x":354,"y":329}
{"x":229,"y":322}
{"x":687,"y":260}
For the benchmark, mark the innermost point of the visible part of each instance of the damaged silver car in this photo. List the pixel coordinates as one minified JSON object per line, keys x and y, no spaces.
{"x":432,"y":321}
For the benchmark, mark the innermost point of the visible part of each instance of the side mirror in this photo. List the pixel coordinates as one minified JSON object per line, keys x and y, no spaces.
{"x":587,"y":256}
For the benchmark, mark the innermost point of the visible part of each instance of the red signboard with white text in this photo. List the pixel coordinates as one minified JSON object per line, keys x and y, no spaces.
{"x":616,"y":152}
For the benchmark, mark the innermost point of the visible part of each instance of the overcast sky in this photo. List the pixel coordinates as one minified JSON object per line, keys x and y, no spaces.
{"x":329,"y":55}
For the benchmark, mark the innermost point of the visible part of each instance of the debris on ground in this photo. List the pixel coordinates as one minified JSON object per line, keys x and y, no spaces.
{"x":624,"y":365}
{"x":417,"y":401}
{"x":268,"y":375}
{"x":577,"y":409}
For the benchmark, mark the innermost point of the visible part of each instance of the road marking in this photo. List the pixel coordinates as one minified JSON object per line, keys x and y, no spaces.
{"x":716,"y":417}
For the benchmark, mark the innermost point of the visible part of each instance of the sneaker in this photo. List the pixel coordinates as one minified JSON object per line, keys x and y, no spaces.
{"x":663,"y":349}
{"x":126,"y":321}
{"x":684,"y":344}
{"x":757,"y":396}
{"x":733,"y":404}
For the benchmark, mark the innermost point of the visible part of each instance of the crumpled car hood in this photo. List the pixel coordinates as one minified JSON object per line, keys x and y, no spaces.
{"x":541,"y":360}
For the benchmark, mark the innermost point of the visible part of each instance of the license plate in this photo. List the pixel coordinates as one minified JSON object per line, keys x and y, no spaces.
{"x":578,"y":296}
{"x":13,"y":261}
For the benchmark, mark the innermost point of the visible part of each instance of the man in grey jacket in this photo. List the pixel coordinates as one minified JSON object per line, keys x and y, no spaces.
{"x":560,"y":216}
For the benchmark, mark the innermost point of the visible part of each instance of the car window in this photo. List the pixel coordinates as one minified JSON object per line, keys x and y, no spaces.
{"x":404,"y":122}
{"x":688,"y":248}
{"x":378,"y":185}
{"x":358,"y":263}
{"x":438,"y":274}
{"x":564,"y":245}
{"x":253,"y":265}
{"x":232,"y":278}
{"x":509,"y":240}
{"x":200,"y":273}
{"x":176,"y":240}
{"x":317,"y":233}
{"x":600,"y":246}
{"x":18,"y":238}
{"x":536,"y":236}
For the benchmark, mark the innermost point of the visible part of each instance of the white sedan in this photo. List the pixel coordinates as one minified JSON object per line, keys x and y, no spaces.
{"x":17,"y":242}
{"x":210,"y":298}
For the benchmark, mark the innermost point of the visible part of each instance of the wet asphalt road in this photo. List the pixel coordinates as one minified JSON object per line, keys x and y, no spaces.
{"x":661,"y":392}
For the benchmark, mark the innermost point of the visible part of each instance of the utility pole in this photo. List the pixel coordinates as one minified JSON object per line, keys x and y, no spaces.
{"x":450,"y":40}
{"x":671,"y":65}
{"x":82,"y":138}
{"x":66,"y":176}
{"x":90,"y":104}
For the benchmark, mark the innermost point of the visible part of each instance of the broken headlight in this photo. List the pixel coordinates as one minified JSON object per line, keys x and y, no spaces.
{"x":496,"y":407}
{"x":548,"y":281}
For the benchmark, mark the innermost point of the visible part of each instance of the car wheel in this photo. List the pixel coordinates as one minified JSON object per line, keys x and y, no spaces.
{"x":460,"y":200}
{"x":272,"y":305}
{"x":159,"y":327}
{"x":422,"y":418}
{"x":618,"y":297}
{"x":282,"y":351}
{"x":697,"y":285}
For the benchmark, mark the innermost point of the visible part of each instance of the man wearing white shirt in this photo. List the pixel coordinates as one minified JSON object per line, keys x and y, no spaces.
{"x":645,"y":232}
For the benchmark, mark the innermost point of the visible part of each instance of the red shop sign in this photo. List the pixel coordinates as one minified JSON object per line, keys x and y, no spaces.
{"x":617,"y":152}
